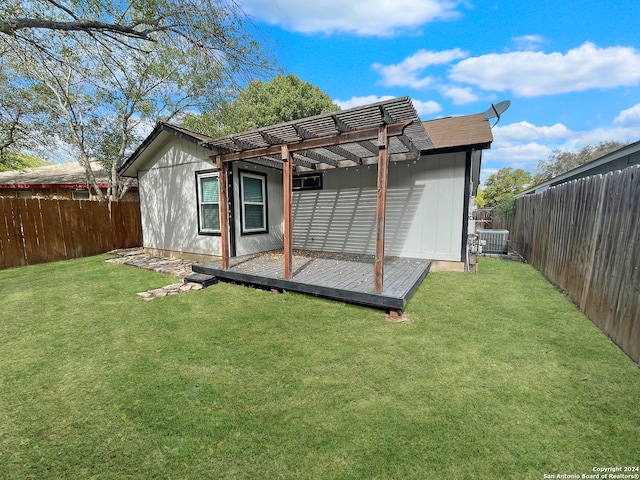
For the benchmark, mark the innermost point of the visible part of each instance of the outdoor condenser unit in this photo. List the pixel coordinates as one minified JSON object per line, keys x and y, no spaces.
{"x":497,"y":241}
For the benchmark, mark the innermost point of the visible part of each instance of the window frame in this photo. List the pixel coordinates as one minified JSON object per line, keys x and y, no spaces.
{"x":265,"y":204}
{"x":199,"y":204}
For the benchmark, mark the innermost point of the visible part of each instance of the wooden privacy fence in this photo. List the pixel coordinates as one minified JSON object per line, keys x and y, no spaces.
{"x":584,"y":236}
{"x":39,"y":231}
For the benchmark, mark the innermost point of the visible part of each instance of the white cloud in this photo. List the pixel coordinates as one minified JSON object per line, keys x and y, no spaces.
{"x":410,"y":71}
{"x":522,"y":145}
{"x":380,"y":18}
{"x":422,"y":108}
{"x":459,"y":95}
{"x":528,"y":42}
{"x":426,"y":108}
{"x":629,"y":117}
{"x":524,"y":152}
{"x":358,"y":101}
{"x":531,"y":74}
{"x":523,"y":131}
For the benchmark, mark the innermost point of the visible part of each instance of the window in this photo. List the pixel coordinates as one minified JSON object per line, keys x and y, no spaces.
{"x":24,"y":194}
{"x":208,"y":203}
{"x":80,"y":195}
{"x":308,"y":182}
{"x":253,"y":191}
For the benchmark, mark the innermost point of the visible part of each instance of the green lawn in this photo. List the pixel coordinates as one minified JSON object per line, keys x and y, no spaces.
{"x":497,"y":376}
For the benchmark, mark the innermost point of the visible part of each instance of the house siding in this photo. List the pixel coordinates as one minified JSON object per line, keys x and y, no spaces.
{"x":169,"y":208}
{"x":425,"y":208}
{"x":274,"y":238}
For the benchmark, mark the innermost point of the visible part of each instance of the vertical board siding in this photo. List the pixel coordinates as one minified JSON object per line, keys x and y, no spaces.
{"x":424,"y":211}
{"x":40,"y":231}
{"x":584,"y":237}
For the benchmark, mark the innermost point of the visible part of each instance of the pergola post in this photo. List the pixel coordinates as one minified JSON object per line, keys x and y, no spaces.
{"x":287,"y":185}
{"x":381,"y":207}
{"x":224,"y":211}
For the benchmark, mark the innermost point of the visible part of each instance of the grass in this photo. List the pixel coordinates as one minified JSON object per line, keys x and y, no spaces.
{"x":496,"y":376}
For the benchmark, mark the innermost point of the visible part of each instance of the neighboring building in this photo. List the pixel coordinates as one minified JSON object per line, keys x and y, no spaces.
{"x":433,"y":173}
{"x":617,"y":160}
{"x":64,"y":181}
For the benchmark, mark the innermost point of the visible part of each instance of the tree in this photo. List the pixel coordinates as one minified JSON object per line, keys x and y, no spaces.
{"x":20,"y":114}
{"x":561,"y":161}
{"x":479,"y":200}
{"x":103,"y":72}
{"x":504,"y":184}
{"x":19,"y":161}
{"x":282,"y":99}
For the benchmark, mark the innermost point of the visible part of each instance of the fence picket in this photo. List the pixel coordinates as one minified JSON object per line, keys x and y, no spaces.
{"x":39,"y":231}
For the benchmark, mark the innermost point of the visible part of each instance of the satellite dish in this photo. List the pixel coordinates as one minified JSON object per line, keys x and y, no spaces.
{"x":496,"y":110}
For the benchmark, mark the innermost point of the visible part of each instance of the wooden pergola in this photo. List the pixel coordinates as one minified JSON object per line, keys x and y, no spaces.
{"x":373,"y":134}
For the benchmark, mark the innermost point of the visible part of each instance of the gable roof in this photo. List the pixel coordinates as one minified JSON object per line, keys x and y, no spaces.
{"x":161,"y":132}
{"x":65,"y":175}
{"x":330,"y":140}
{"x":337,"y":139}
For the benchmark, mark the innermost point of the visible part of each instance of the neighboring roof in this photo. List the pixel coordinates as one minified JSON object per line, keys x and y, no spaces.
{"x":616,"y":160}
{"x":59,"y":175}
{"x":465,"y":131}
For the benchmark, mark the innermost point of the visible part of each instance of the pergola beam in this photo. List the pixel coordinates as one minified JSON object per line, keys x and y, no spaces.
{"x":354,"y":136}
{"x":343,"y":152}
{"x":369,"y":146}
{"x":318,"y":157}
{"x":299,"y":160}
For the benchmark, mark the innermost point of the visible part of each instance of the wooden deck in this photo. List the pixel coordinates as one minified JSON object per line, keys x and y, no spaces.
{"x":349,"y":278}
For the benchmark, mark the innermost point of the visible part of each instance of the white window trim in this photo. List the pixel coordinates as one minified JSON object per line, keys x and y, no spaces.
{"x":263,"y":180}
{"x":201,"y":228}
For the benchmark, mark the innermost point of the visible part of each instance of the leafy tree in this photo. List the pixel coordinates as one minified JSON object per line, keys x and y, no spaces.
{"x":561,"y":161}
{"x":507,"y":206}
{"x":19,"y":161}
{"x":505,"y":183}
{"x":103,"y":72}
{"x":479,"y":200}
{"x":20,"y":115}
{"x":282,"y":99}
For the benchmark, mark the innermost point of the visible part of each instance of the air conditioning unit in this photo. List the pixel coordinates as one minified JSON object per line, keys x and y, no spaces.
{"x":496,"y":241}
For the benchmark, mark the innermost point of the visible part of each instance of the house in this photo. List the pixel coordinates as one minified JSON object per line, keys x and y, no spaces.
{"x":64,"y":181}
{"x":372,"y":180}
{"x":617,"y":160}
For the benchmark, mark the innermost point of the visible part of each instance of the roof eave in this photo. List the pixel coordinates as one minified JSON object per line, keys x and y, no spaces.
{"x":457,"y":148}
{"x":158,"y":129}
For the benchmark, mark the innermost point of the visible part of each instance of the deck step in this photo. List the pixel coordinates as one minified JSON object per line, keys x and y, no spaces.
{"x":201,"y":278}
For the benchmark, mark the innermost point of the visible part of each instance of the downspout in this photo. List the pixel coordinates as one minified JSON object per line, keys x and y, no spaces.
{"x":464,"y":249}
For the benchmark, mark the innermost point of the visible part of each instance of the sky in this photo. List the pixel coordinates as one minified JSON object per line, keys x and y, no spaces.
{"x":571,"y":69}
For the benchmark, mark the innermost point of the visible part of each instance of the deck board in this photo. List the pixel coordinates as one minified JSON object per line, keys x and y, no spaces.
{"x":348,"y":278}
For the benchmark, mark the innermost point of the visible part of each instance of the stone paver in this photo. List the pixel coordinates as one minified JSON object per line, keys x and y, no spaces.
{"x":172,"y":266}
